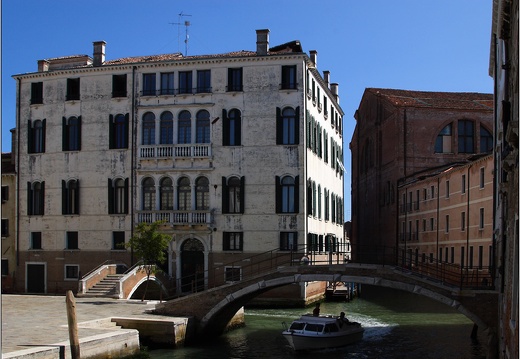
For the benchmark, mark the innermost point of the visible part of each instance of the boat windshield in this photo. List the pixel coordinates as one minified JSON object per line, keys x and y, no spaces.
{"x":311,"y":327}
{"x":297,"y":326}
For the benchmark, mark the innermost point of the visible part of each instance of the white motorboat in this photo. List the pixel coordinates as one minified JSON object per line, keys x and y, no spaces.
{"x":320,"y":332}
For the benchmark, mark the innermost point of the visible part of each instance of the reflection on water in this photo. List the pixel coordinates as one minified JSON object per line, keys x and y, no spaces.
{"x":397,"y":325}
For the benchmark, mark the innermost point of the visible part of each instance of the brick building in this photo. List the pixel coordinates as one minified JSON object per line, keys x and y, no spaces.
{"x":398,"y":134}
{"x":239,"y":153}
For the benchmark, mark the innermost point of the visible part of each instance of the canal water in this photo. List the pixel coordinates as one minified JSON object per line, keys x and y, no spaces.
{"x":398,"y":325}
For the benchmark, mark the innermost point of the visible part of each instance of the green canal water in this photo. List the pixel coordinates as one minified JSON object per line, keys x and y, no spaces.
{"x":398,"y":325}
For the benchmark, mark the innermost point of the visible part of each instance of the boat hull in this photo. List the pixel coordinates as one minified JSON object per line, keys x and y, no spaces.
{"x":299,"y":341}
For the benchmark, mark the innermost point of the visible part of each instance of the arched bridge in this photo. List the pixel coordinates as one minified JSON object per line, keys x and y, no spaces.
{"x":214,"y":308}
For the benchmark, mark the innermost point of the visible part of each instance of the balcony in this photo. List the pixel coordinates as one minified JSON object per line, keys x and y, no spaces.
{"x":176,"y":217}
{"x":200,"y":150}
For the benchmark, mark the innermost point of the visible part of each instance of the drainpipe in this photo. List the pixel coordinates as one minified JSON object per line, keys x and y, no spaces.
{"x":468,"y":217}
{"x":134,"y":166}
{"x":17,"y":172}
{"x":438,"y":218}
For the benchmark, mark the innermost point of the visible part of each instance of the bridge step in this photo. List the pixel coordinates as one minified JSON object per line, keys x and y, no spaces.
{"x":107,"y":287}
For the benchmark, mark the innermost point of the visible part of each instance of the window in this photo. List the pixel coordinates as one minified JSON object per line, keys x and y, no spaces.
{"x":287,"y":126}
{"x":432,"y":191}
{"x":424,"y":225}
{"x":148,"y":84}
{"x":71,"y":271}
{"x":232,"y":274}
{"x":118,"y":131}
{"x":288,"y":241}
{"x":466,"y":136}
{"x":185,"y":82}
{"x":5,"y":193}
{"x":232,"y":241}
{"x":432,"y":224}
{"x":233,"y":195}
{"x":5,"y":267}
{"x":287,"y":194}
{"x":235,"y":79}
{"x":71,"y":240}
{"x":480,"y":256}
{"x":319,"y":202}
{"x":202,"y":194}
{"x":71,"y":139}
{"x":203,"y":81}
{"x":166,"y":128}
{"x":72,"y":89}
{"x":148,"y":129}
{"x":184,"y":133}
{"x":35,"y":198}
{"x":5,"y":227}
{"x":202,"y":126}
{"x":470,"y":257}
{"x":183,"y":194}
{"x":463,"y":221}
{"x":447,"y":189}
{"x":482,"y":178}
{"x":443,"y":141}
{"x":447,"y":224}
{"x":36,"y":136}
{"x":166,"y":194}
{"x":148,"y":194}
{"x":231,"y":127}
{"x":119,"y":86}
{"x":118,"y":240}
{"x":70,"y":197}
{"x":463,"y":184}
{"x":36,"y":93}
{"x":118,"y":196}
{"x":167,"y":83}
{"x":327,"y":204}
{"x":289,"y":77}
{"x":486,"y":141}
{"x":481,"y":219}
{"x":36,"y":240}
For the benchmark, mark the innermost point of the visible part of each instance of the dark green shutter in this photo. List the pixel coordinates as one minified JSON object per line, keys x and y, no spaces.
{"x":29,"y":199}
{"x":76,"y":198}
{"x":64,"y":135}
{"x":297,"y":126}
{"x":279,"y":126}
{"x":225,"y":128}
{"x":127,"y":128}
{"x":225,"y":196}
{"x":278,"y":191}
{"x":44,"y":127}
{"x":126,"y":195}
{"x":238,"y":129}
{"x":297,"y":194}
{"x":64,"y":198}
{"x":79,"y":133}
{"x":110,"y":197}
{"x":242,"y":193}
{"x":111,"y":131}
{"x":30,"y":137}
{"x":42,"y":199}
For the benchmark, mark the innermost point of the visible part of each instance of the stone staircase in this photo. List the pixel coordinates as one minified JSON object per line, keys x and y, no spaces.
{"x":106,"y":288}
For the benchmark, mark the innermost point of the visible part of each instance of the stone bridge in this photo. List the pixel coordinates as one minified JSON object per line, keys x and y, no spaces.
{"x":212,"y":309}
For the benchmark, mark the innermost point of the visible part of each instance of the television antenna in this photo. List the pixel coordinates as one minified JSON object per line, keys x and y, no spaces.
{"x":186,"y":39}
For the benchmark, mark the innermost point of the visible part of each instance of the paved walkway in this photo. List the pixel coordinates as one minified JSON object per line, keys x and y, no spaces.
{"x":30,"y":320}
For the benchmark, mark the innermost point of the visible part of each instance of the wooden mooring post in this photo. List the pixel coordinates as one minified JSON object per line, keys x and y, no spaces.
{"x":73,"y":325}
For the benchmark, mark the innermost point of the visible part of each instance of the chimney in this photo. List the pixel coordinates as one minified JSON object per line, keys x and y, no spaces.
{"x":314,"y":57}
{"x":99,"y":52}
{"x":262,"y":41}
{"x":334,"y":90}
{"x":326,"y":77}
{"x":43,"y":65}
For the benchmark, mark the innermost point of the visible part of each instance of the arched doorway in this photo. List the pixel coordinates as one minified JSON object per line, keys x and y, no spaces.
{"x":192,"y":265}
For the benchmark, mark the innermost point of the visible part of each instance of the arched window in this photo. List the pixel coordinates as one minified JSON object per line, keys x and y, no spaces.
{"x":443,"y":141}
{"x":466,"y":136}
{"x":235,"y":195}
{"x":70,"y":197}
{"x":120,"y":132}
{"x":36,"y":198}
{"x":231,"y":128}
{"x":184,"y":128}
{"x":202,"y":126}
{"x":166,"y":128}
{"x":148,"y":194}
{"x":288,"y":126}
{"x":72,"y":134}
{"x":38,"y":137}
{"x":184,"y":194}
{"x":202,"y":194}
{"x":166,"y":194}
{"x":486,"y":140}
{"x":288,"y":192}
{"x":149,"y":129}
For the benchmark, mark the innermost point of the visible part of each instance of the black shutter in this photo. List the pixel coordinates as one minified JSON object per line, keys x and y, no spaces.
{"x":64,"y":198}
{"x":42,"y":199}
{"x":110,"y":197}
{"x":64,"y":135}
{"x":30,"y":137}
{"x":297,"y":126}
{"x":279,"y":126}
{"x":127,"y":128}
{"x":126,"y":196}
{"x":44,"y":127}
{"x":242,"y":193}
{"x":225,"y":128}
{"x":79,"y":133}
{"x":297,"y":194}
{"x":111,"y":131}
{"x":225,"y":196}
{"x":29,"y":199}
{"x":76,"y":198}
{"x":278,"y":190}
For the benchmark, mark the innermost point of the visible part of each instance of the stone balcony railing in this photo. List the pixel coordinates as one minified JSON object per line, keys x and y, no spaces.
{"x":198,"y":150}
{"x":175,"y":217}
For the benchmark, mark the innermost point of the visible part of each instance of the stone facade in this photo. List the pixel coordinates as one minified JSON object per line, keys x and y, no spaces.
{"x":399,"y":134}
{"x":503,"y":67}
{"x":9,"y":243}
{"x":238,"y":153}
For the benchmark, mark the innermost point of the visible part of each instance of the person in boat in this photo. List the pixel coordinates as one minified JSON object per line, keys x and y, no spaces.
{"x":342,"y":319}
{"x":316,"y":310}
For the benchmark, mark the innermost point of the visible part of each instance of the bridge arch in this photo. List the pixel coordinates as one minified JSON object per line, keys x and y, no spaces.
{"x":154,"y":279}
{"x":215,"y":320}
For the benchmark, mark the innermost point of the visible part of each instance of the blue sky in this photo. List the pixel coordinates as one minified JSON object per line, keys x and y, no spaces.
{"x":430,"y":45}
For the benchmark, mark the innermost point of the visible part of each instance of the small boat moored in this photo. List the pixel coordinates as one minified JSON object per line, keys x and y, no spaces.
{"x":320,"y":332}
